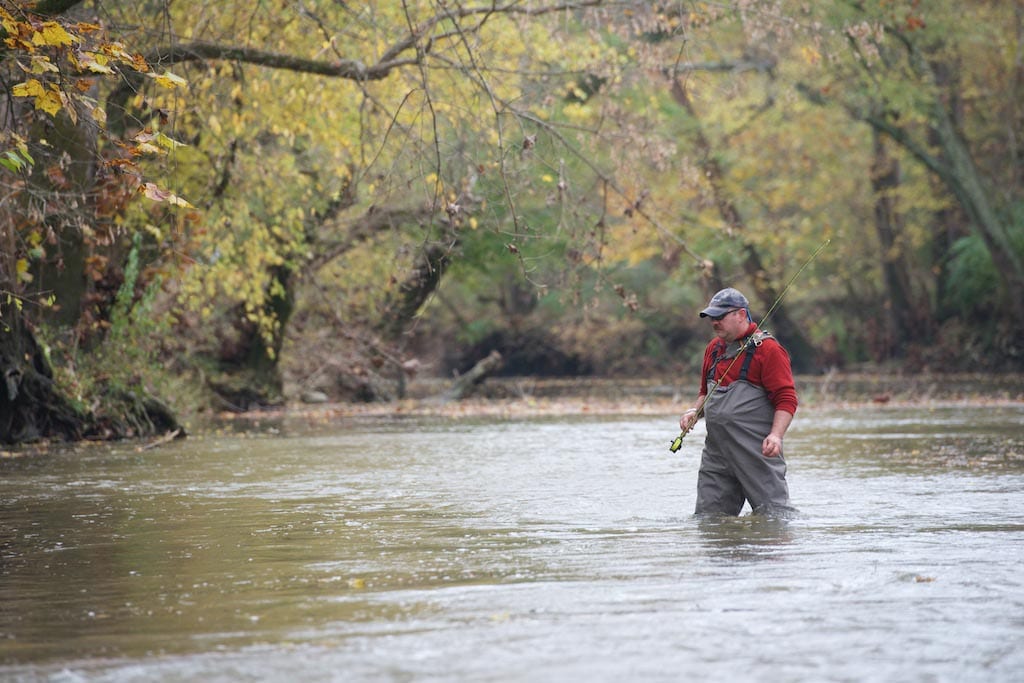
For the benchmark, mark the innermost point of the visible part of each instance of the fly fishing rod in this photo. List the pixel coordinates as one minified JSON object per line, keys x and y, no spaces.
{"x":677,"y":443}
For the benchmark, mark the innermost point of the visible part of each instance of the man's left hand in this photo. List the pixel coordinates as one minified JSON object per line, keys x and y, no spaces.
{"x":771,"y":446}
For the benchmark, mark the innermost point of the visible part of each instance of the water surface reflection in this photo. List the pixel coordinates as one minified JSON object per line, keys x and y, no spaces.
{"x":542,"y":550}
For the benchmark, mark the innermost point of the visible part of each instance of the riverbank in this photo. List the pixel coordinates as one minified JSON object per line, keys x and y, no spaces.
{"x":825,"y":388}
{"x":536,"y":397}
{"x":507,"y":398}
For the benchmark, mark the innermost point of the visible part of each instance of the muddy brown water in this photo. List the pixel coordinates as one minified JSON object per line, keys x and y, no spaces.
{"x":558,"y":549}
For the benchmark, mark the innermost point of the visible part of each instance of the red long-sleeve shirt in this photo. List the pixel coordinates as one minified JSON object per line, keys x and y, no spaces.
{"x":769,"y":369}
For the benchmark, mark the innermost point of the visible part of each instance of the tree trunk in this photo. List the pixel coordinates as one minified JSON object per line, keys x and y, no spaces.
{"x":250,"y":377}
{"x":424,"y":279}
{"x":72,"y":147}
{"x":31,"y":407}
{"x":956,"y":168}
{"x":405,"y":304}
{"x":967,"y":185}
{"x":249,"y":371}
{"x":904,"y":320}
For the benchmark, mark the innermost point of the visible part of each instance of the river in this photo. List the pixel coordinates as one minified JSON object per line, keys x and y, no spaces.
{"x":547,"y":549}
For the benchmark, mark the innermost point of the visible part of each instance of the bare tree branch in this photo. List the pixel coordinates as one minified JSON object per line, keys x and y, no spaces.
{"x":51,"y":8}
{"x":375,"y":220}
{"x":351,"y":69}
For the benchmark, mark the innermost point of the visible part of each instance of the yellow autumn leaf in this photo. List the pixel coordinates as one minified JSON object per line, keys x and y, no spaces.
{"x":116,"y":50}
{"x":153,"y":192}
{"x":66,"y":103}
{"x":159,"y":195}
{"x":7,"y":22}
{"x":96,"y":63}
{"x":152,"y":142}
{"x":47,"y":99}
{"x":52,"y":33}
{"x":22,"y":268}
{"x":30,"y":88}
{"x":167,"y":142}
{"x":50,"y":102}
{"x":169,"y":80}
{"x":41,"y":64}
{"x":810,"y":55}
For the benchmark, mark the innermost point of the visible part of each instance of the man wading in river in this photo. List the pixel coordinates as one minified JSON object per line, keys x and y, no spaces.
{"x":751,"y":404}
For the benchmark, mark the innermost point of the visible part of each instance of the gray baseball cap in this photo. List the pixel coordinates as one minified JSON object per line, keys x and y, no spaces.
{"x":723,"y":301}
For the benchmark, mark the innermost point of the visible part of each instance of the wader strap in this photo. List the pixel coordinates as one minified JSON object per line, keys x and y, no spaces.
{"x":718,"y":353}
{"x":746,"y":361}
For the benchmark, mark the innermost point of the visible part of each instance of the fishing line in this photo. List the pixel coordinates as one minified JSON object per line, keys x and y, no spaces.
{"x":677,"y":443}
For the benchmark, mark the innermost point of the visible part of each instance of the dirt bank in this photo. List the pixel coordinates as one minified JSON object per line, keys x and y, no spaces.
{"x":529,"y":397}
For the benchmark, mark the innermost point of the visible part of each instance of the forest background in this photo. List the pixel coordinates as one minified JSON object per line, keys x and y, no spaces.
{"x":209,"y":206}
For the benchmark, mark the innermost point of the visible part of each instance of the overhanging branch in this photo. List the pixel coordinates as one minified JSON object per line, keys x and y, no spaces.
{"x":350,"y":68}
{"x":51,"y":8}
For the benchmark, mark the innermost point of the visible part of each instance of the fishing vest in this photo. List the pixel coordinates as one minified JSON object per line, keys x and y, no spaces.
{"x":721,"y":352}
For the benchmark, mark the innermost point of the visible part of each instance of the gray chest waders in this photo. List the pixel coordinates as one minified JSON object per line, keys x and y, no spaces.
{"x":732,"y":469}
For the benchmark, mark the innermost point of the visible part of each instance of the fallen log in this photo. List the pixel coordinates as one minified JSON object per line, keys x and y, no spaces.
{"x":465,"y":384}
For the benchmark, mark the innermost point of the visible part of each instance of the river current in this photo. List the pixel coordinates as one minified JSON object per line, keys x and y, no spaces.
{"x":557,"y":549}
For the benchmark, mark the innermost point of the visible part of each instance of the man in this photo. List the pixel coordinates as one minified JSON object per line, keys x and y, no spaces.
{"x":751,"y":404}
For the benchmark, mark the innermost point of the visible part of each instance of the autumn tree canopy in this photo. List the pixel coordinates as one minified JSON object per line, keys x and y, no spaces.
{"x":345,"y":191}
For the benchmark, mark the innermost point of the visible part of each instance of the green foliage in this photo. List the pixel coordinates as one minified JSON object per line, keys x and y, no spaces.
{"x":972,"y":283}
{"x":128,"y":361}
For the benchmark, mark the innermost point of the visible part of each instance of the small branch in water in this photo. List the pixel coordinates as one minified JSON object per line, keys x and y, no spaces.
{"x":169,"y":436}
